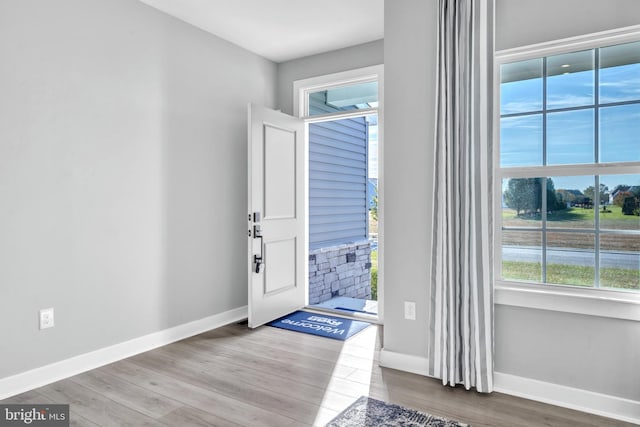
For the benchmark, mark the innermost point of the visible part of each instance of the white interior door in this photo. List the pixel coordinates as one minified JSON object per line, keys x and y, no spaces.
{"x":277,"y":215}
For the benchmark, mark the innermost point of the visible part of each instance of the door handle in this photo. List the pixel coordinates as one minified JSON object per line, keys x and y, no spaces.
{"x":258,"y":264}
{"x":258,"y":260}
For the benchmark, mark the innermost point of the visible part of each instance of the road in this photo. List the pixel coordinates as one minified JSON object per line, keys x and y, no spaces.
{"x":608,"y":259}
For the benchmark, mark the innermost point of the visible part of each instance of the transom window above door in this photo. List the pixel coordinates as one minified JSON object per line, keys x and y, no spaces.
{"x":343,"y":98}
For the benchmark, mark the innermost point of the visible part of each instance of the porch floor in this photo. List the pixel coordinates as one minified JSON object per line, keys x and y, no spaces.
{"x":350,"y":305}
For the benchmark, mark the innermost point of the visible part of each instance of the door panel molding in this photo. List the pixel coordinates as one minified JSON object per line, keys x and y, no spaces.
{"x":277,"y":215}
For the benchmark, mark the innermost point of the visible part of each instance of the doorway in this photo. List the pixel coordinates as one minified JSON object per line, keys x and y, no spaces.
{"x":343,"y":116}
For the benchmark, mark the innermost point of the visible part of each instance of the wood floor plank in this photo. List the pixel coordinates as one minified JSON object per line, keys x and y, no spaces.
{"x":305,"y":372}
{"x":31,"y":396}
{"x":278,"y":358}
{"x":96,"y":407}
{"x":224,"y":384}
{"x":34,"y":397}
{"x":192,"y":417}
{"x":216,"y":404}
{"x":271,"y":377}
{"x":304,"y":369}
{"x":330,"y":395}
{"x":135,"y":397}
{"x":361,"y":344}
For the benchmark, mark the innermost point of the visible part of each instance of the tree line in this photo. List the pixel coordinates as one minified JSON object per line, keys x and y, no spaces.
{"x":524,"y":195}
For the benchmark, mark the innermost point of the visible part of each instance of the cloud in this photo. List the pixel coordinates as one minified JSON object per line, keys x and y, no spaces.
{"x":564,"y":100}
{"x":520,"y":106}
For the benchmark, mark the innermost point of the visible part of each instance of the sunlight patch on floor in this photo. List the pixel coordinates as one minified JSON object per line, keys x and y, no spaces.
{"x":357,"y":353}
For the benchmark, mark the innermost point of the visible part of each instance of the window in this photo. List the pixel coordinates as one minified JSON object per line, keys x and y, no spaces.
{"x":348,"y":97}
{"x":568,"y":167}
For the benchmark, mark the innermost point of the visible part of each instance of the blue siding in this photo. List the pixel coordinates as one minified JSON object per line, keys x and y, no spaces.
{"x":338,"y":211}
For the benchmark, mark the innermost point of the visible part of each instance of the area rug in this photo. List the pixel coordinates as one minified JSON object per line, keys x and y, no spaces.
{"x":320,"y":324}
{"x":368,"y":412}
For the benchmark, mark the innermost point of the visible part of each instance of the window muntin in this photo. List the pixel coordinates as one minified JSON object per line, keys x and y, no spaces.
{"x":570,"y":124}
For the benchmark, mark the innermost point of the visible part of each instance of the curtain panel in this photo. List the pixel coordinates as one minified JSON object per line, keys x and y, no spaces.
{"x":461,"y":289}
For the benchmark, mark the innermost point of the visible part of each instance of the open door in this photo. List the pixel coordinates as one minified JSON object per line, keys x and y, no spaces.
{"x":277,"y":237}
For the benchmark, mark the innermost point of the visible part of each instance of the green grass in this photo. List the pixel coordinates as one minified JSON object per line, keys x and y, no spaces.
{"x":571,"y":274}
{"x":374,"y":275}
{"x":574,"y":214}
{"x":570,"y":219}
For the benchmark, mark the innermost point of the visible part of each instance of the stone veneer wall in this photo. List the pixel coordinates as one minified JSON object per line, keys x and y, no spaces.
{"x":343,"y":270}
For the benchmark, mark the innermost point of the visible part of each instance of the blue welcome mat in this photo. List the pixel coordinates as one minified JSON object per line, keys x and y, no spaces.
{"x":320,"y":324}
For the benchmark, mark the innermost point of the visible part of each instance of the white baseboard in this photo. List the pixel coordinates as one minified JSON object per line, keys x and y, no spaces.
{"x":404,"y":362}
{"x":553,"y":394}
{"x":568,"y":397}
{"x":19,"y":383}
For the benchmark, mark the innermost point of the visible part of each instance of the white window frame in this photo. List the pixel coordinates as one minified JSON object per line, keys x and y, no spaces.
{"x":616,"y":304}
{"x":302,"y":89}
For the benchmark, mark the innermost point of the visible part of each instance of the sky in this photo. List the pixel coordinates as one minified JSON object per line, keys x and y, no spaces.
{"x":571,"y":134}
{"x":373,"y":149}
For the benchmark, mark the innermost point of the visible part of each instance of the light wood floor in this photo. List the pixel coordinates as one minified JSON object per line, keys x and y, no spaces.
{"x":271,"y":377}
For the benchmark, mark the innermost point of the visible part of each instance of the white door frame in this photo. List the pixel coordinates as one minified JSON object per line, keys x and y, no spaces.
{"x":301,"y":90}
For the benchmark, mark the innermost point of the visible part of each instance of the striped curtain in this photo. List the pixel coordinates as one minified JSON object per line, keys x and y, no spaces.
{"x":461,"y":293}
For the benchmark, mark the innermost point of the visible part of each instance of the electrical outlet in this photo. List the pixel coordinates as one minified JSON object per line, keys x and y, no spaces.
{"x":46,"y":318}
{"x":410,"y":310}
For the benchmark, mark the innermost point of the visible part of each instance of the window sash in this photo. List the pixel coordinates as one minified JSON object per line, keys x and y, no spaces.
{"x":595,"y":169}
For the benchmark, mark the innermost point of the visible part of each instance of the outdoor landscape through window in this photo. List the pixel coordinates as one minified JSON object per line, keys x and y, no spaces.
{"x":576,"y":225}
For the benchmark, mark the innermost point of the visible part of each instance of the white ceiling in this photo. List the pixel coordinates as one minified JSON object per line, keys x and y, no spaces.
{"x":281,"y":30}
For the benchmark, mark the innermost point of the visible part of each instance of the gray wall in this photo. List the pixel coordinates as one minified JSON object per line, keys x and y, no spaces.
{"x":122,"y":174}
{"x":586,"y":352}
{"x":350,"y":58}
{"x":409,"y":51}
{"x":525,"y":22}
